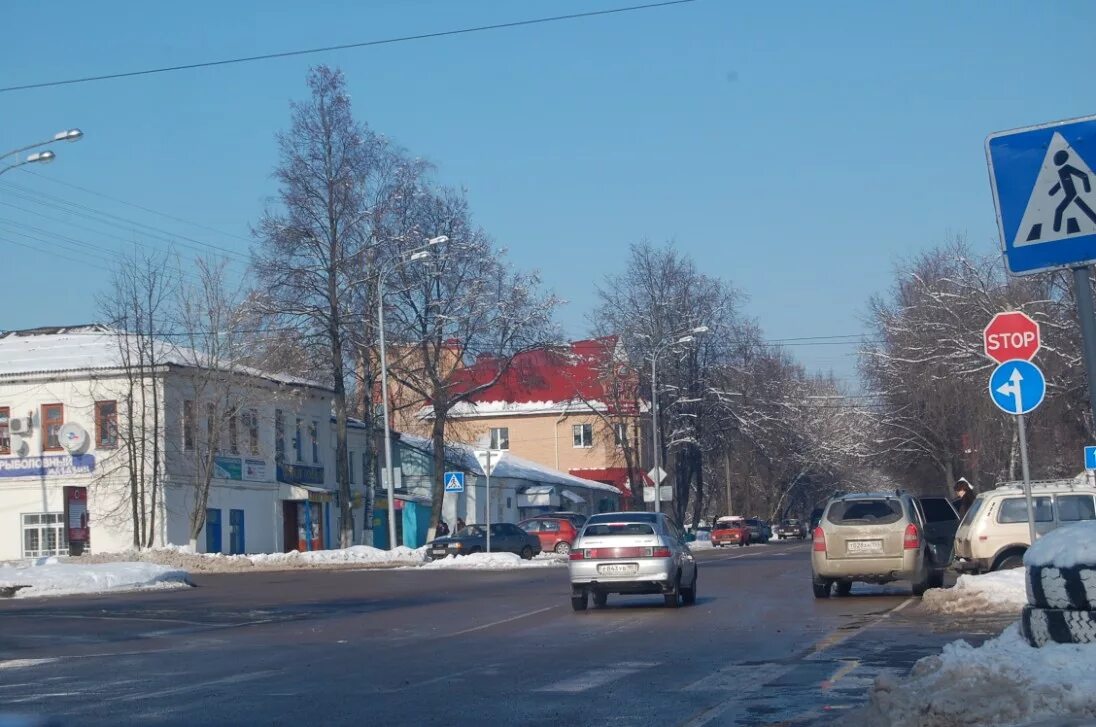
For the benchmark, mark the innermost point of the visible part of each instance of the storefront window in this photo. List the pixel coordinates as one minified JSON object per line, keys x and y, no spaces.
{"x":44,"y":534}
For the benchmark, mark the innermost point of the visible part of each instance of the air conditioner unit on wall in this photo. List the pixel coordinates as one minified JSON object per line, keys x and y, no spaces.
{"x":19,"y":425}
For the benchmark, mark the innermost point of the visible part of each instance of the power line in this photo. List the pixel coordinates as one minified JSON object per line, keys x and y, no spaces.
{"x":348,"y":46}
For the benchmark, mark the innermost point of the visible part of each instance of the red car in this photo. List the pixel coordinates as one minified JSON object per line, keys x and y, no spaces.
{"x":555,"y":533}
{"x":730,"y":532}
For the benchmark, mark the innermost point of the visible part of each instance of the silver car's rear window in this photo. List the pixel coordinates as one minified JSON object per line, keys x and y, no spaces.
{"x":875,"y":511}
{"x":600,"y":529}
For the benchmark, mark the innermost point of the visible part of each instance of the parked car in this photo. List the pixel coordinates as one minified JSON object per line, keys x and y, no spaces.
{"x":554,"y":533}
{"x":505,"y":538}
{"x":631,"y":553}
{"x":791,"y":528}
{"x":816,"y":516}
{"x":730,"y":531}
{"x":758,"y":531}
{"x":873,"y":538}
{"x":994,"y":533}
{"x":575,"y":517}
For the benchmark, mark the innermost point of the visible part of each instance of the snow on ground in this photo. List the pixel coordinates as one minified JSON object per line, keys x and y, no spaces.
{"x":183,"y":557}
{"x":701,"y":544}
{"x":49,"y":577}
{"x":493,"y":561}
{"x":1003,"y":682}
{"x":998,"y":592}
{"x":1065,"y":547}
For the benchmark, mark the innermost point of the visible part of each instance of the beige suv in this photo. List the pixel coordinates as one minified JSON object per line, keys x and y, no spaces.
{"x":994,"y":533}
{"x":874,"y":538}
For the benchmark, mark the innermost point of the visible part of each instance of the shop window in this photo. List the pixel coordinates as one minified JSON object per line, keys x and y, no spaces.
{"x":5,"y":430}
{"x":583,"y":435}
{"x":188,"y":425}
{"x":53,"y":417}
{"x":106,"y":424}
{"x":44,"y":534}
{"x":500,"y":438}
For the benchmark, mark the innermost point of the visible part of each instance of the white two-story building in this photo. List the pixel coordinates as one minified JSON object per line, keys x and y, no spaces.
{"x":90,"y":431}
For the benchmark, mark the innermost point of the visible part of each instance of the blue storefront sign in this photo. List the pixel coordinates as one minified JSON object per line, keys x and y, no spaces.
{"x":300,"y":474}
{"x":59,"y":465}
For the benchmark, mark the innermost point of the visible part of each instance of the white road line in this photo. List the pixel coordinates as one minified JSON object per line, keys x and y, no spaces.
{"x":597,"y":677}
{"x":23,"y":663}
{"x":497,"y":623}
{"x":840,"y":637}
{"x":747,"y":555}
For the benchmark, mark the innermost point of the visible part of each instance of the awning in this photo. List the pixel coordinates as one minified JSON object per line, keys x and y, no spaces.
{"x":310,"y":493}
{"x":572,"y":496}
{"x":538,"y":490}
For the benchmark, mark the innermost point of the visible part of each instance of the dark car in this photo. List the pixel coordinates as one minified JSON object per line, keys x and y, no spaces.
{"x":505,"y":538}
{"x":759,"y":532}
{"x":791,"y":528}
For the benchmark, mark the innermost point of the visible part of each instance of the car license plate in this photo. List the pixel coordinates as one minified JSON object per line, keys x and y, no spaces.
{"x":864,"y":546}
{"x":618,"y":569}
{"x":440,"y":551}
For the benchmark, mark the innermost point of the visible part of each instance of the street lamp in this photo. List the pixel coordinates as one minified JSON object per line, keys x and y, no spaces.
{"x":382,"y":274}
{"x":43,"y":157}
{"x":678,"y":338}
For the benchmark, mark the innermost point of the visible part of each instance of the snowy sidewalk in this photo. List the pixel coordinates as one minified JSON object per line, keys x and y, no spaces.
{"x":49,"y":577}
{"x":1000,"y":592}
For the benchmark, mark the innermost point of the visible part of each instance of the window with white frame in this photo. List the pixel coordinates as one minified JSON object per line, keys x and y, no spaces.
{"x":583,"y":435}
{"x":500,"y":438}
{"x":44,"y":534}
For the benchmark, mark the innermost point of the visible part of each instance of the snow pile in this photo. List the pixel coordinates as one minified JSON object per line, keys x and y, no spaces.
{"x":1004,"y":681}
{"x":491,"y":561}
{"x":52,"y":578}
{"x":701,"y":544}
{"x":999,"y":592}
{"x":182,"y":556}
{"x":354,"y":555}
{"x":1065,"y":547}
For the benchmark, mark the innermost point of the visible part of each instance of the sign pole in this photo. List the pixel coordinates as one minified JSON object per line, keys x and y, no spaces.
{"x":487,"y":504}
{"x":1083,"y":292}
{"x":1026,"y":471}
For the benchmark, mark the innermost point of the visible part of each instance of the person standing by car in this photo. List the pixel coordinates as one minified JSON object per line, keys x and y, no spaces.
{"x":964,"y":496}
{"x":460,"y":524}
{"x":443,"y":529}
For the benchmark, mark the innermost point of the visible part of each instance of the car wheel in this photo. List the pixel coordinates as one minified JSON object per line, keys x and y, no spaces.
{"x":600,"y":599}
{"x":821,"y":589}
{"x":673,"y":598}
{"x":688,"y":595}
{"x":563,"y":547}
{"x":526,"y":553}
{"x":1014,"y":560}
{"x":844,"y":588}
{"x":580,"y":602}
{"x":922,"y":580}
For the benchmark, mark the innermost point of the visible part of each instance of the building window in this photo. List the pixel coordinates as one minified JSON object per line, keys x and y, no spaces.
{"x":279,"y":436}
{"x":297,"y":441}
{"x":188,"y":425}
{"x":313,"y":437}
{"x":620,"y":433}
{"x":500,"y":438}
{"x":233,"y":434}
{"x":583,"y":435}
{"x":106,"y":424}
{"x":252,"y":419}
{"x":44,"y":534}
{"x":53,"y":416}
{"x":5,"y":430}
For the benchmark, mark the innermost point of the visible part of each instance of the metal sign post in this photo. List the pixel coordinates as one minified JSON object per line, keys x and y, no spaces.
{"x":484,"y":456}
{"x":1083,"y":292}
{"x":1018,"y":387}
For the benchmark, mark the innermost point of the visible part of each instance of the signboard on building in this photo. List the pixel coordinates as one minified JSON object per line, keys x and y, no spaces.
{"x":47,"y":466}
{"x":300,"y":474}
{"x":235,"y":468}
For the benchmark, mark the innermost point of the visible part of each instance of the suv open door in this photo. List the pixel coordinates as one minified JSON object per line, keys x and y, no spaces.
{"x":941,"y":522}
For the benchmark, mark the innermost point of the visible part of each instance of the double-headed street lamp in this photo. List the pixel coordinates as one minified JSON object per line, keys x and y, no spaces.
{"x":382,"y":274}
{"x":40,"y":157}
{"x":660,"y":348}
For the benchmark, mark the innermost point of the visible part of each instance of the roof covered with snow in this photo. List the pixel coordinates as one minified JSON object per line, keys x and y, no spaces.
{"x":98,"y":348}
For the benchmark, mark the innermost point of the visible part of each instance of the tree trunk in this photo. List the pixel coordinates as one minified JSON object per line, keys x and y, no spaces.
{"x":437,"y":495}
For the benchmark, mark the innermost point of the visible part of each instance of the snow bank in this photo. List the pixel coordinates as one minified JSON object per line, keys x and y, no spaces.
{"x":51,"y":578}
{"x":491,"y":561}
{"x":999,"y":592}
{"x":1005,"y":681}
{"x":182,"y":556}
{"x":1065,"y":547}
{"x":355,"y":555}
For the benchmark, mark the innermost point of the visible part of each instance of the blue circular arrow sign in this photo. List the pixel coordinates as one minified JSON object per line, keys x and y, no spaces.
{"x":1017,"y":387}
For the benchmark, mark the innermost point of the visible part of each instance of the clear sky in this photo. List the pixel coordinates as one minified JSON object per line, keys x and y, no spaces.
{"x":796,"y":149}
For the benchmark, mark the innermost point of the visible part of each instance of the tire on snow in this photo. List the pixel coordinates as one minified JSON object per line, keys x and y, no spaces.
{"x":1062,"y":588}
{"x":1041,"y":626}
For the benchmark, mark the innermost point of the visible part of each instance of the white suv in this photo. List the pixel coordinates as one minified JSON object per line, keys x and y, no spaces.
{"x":994,"y":533}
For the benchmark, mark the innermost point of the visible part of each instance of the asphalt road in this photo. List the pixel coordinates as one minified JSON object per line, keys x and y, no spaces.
{"x":396,"y":647}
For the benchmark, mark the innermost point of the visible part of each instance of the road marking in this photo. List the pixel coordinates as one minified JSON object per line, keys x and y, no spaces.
{"x":747,"y":555}
{"x":23,"y":663}
{"x":847,"y":668}
{"x":840,"y":637}
{"x":597,"y":677}
{"x":497,"y":623}
{"x":231,"y":679}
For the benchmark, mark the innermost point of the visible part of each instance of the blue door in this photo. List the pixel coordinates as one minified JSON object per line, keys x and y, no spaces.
{"x":213,"y":530}
{"x":236,"y":532}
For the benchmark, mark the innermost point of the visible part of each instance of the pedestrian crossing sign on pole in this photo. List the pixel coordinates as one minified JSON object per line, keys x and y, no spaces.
{"x":1044,"y":188}
{"x":454,"y":481}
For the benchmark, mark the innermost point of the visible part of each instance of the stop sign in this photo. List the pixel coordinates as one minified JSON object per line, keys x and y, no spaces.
{"x":1011,"y":336}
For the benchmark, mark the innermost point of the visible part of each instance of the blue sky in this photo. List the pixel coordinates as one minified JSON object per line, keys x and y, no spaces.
{"x":796,"y":149}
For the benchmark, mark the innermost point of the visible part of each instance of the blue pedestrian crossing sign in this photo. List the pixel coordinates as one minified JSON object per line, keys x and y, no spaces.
{"x":1044,"y":189}
{"x":1090,"y":458}
{"x":1017,"y":387}
{"x":454,"y":481}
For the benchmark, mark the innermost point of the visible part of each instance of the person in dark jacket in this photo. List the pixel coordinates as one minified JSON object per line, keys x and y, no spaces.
{"x":964,"y":496}
{"x":443,"y":529}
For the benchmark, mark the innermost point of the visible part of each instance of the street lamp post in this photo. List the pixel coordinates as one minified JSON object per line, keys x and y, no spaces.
{"x":41,"y":157}
{"x":390,"y":486}
{"x":659,"y":349}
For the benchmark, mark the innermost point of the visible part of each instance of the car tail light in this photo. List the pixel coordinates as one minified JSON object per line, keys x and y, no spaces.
{"x":819,"y":540}
{"x":912,"y":541}
{"x":577,"y":554}
{"x":660,"y":553}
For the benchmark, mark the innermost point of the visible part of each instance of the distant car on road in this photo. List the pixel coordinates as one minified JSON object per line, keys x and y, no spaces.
{"x":730,"y":531}
{"x":759,"y":532}
{"x":505,"y":538}
{"x":791,"y":528}
{"x":631,"y":553}
{"x":554,"y":532}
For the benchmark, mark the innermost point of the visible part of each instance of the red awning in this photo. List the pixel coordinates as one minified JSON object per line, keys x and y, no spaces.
{"x":615,"y":476}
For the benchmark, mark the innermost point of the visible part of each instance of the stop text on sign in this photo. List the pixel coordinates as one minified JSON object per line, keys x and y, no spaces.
{"x":1011,"y":336}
